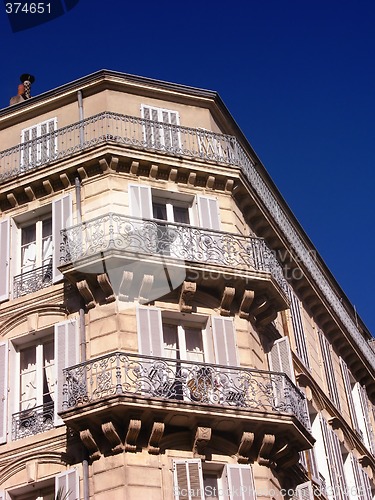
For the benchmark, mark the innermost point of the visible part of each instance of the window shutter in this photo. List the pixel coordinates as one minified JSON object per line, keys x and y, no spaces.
{"x":361,"y":403}
{"x":66,"y":354}
{"x":140,"y":201}
{"x":208,"y":213}
{"x":188,"y":480}
{"x":349,"y":394}
{"x":4,"y":259}
{"x":240,"y":482}
{"x":4,"y":495}
{"x":223,"y":333}
{"x":280,"y":358}
{"x":299,"y":334}
{"x":325,"y":348}
{"x":3,"y":391}
{"x":68,"y":481}
{"x":61,"y":217}
{"x":150,"y":331}
{"x":304,"y":491}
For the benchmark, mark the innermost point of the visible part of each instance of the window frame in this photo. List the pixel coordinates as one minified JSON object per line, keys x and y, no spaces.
{"x":39,"y":143}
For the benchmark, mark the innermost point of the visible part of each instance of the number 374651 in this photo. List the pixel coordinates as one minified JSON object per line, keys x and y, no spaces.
{"x":27,"y":8}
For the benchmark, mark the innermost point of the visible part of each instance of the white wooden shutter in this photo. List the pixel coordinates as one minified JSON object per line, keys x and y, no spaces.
{"x":61,"y":218}
{"x":4,"y":259}
{"x":188,"y":480}
{"x":150,"y":331}
{"x":349,"y":394}
{"x":361,"y":403}
{"x":280,"y":358}
{"x":299,"y":334}
{"x":304,"y":491}
{"x":325,"y":348}
{"x":4,"y":495}
{"x":224,"y":337}
{"x":66,"y":354}
{"x":68,"y":482}
{"x":3,"y":391}
{"x":140,"y":201}
{"x":208,"y":213}
{"x":240,"y":482}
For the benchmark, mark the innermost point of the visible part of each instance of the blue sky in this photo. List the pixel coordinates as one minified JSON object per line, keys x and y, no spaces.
{"x":297,"y":75}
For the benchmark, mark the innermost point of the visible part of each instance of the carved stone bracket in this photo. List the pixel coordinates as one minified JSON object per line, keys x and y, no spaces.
{"x":86,"y":293}
{"x":65,"y":180}
{"x":12,"y":200}
{"x":90,"y":444}
{"x":192,"y":178}
{"x":247,"y":300}
{"x":47,"y":186}
{"x":173,"y":174}
{"x":210,"y":182}
{"x":226,"y":301}
{"x":244,"y":448}
{"x":134,"y":167}
{"x":285,"y":456}
{"x":29,"y":192}
{"x":127,"y":279}
{"x":106,"y":286}
{"x":112,"y":165}
{"x":154,"y":171}
{"x":266,"y":316}
{"x":111,"y":434}
{"x":202,"y":438}
{"x":132,"y":435}
{"x":146,"y":286}
{"x":188,"y":290}
{"x":265,"y":449}
{"x":155,"y":438}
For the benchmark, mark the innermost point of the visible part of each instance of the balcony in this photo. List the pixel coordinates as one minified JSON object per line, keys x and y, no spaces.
{"x":31,"y":281}
{"x":183,"y":395}
{"x":121,"y":242}
{"x":33,"y":421}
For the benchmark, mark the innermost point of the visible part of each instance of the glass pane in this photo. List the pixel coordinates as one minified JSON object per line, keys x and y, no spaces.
{"x":28,"y":378}
{"x":170,"y":338}
{"x":159,"y":211}
{"x":194,"y":344}
{"x":181,"y":214}
{"x":28,"y":248}
{"x":48,"y":372}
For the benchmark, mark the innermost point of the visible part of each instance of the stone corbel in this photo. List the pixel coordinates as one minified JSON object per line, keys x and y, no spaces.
{"x":90,"y":444}
{"x":226,"y":301}
{"x":265,"y":449}
{"x":266,"y":316}
{"x":247,"y":300}
{"x":145,"y":289}
{"x":134,"y":167}
{"x":106,"y":286}
{"x":29,"y":192}
{"x":12,"y":200}
{"x":47,"y":186}
{"x":202,"y":438}
{"x":132,"y":435}
{"x":112,"y":436}
{"x":127,"y":279}
{"x":258,"y":305}
{"x":65,"y":180}
{"x":173,"y":174}
{"x":112,"y":165}
{"x":210,"y":182}
{"x":153,"y":171}
{"x":229,"y":185}
{"x":188,"y":290}
{"x":191,"y":179}
{"x":82,"y":173}
{"x":86,"y":293}
{"x":155,"y":438}
{"x":244,"y":448}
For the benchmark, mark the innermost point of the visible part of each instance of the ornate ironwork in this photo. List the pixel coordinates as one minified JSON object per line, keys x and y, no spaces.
{"x":33,"y":280}
{"x":135,"y":375}
{"x":33,"y":421}
{"x":178,"y":241}
{"x":108,"y":127}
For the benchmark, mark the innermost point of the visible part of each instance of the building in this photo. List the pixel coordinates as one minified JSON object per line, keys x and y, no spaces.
{"x":167,"y":329}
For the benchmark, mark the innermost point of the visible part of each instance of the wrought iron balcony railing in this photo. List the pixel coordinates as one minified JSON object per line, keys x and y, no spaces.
{"x":33,"y":421}
{"x":179,"y":241}
{"x":31,"y":281}
{"x":120,"y":129}
{"x":134,"y":375}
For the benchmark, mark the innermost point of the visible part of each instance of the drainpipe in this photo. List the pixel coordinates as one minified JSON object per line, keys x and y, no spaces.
{"x":82,"y":331}
{"x":81,"y":117}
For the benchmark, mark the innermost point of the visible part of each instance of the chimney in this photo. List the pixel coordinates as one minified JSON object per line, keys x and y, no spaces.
{"x":24,"y":89}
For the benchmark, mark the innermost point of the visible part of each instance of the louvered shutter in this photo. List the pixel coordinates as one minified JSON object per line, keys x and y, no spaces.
{"x":188,"y":480}
{"x":150,"y":331}
{"x":66,"y":338}
{"x":224,"y":338}
{"x":4,"y":259}
{"x":299,"y":334}
{"x":325,"y":348}
{"x":208,"y":213}
{"x":304,"y":491}
{"x":140,"y":201}
{"x":240,"y":482}
{"x":361,"y":403}
{"x":61,"y":218}
{"x":68,"y":483}
{"x":349,"y":394}
{"x":280,"y":358}
{"x":3,"y":391}
{"x":4,"y":495}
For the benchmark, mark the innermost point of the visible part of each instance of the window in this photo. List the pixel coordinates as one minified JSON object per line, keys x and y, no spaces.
{"x":299,"y":334}
{"x":360,"y":400}
{"x":36,"y":240}
{"x":67,"y":483}
{"x":349,"y":384}
{"x":160,"y":131}
{"x":325,"y":348}
{"x":33,"y":392}
{"x":193,"y":481}
{"x":39,"y":143}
